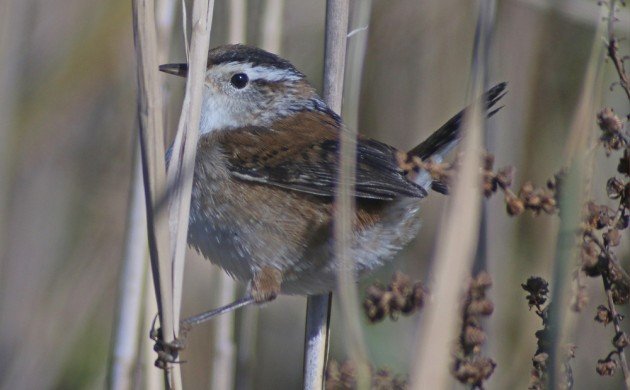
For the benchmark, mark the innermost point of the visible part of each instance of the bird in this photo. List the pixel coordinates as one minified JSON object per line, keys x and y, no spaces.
{"x":266,"y":170}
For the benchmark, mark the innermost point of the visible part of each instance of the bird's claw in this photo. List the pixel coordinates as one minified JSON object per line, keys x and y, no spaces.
{"x":168,"y":352}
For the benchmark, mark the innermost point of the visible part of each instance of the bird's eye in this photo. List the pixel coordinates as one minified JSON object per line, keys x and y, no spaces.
{"x":239,"y":80}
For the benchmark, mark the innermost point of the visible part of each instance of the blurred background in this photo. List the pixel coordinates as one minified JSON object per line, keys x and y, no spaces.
{"x":68,"y":127}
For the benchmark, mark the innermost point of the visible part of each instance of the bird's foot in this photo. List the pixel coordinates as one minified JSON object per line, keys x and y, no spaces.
{"x":168,"y":352}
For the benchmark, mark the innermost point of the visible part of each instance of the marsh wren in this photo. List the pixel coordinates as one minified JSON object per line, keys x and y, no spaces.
{"x":265,"y":174}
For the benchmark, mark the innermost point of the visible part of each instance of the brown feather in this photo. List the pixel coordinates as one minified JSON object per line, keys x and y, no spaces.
{"x":278,"y":231}
{"x":301,"y":153}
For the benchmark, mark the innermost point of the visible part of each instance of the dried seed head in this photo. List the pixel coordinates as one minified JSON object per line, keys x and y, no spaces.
{"x":624,"y":220}
{"x":383,"y":379}
{"x":603,"y":316}
{"x":549,"y":203}
{"x":588,"y":254}
{"x":596,"y":268}
{"x":608,"y":121}
{"x":538,"y":288}
{"x":540,"y":359}
{"x":614,"y":188}
{"x":482,"y":281}
{"x":474,"y":371}
{"x":606,"y":367}
{"x":400,"y":296}
{"x":612,"y":237}
{"x":611,"y":126}
{"x":488,"y":161}
{"x":598,"y":216}
{"x":474,"y":336}
{"x":527,"y":190}
{"x":621,"y":340}
{"x":480,"y":307}
{"x":514,"y":205}
{"x":620,"y":293}
{"x":505,"y":177}
{"x":489,"y":184}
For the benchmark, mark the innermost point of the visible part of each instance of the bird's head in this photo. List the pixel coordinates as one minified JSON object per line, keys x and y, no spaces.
{"x":247,"y":86}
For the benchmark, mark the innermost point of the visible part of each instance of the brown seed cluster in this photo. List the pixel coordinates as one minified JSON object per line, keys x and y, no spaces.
{"x":537,"y":290}
{"x":400,"y":296}
{"x":607,"y":366}
{"x":493,"y":181}
{"x":604,"y":315}
{"x":602,"y":229}
{"x":603,"y":225}
{"x":528,"y":197}
{"x":470,"y":366}
{"x":343,"y":377}
{"x":440,"y":172}
{"x":612,"y":137}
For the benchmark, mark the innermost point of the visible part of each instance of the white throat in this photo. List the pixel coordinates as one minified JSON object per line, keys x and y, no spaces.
{"x":215,"y":112}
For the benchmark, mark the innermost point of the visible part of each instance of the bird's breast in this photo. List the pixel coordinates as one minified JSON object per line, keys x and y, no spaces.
{"x":244,"y":226}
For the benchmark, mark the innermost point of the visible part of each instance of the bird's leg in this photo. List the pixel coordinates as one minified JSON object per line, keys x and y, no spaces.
{"x":264,"y":287}
{"x":169,"y":351}
{"x":189,"y":322}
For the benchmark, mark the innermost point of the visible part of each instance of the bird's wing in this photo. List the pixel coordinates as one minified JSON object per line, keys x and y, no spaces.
{"x":301,"y":153}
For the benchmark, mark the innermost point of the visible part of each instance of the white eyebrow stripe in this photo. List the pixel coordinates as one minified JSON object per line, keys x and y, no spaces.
{"x":259,"y":71}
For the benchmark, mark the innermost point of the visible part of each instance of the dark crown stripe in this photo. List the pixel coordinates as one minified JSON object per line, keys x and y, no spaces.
{"x":247,"y":54}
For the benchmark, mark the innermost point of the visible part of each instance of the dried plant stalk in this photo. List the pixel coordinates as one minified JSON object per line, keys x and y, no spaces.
{"x":271,"y":26}
{"x":130,"y":286}
{"x":318,"y":306}
{"x":598,"y":258}
{"x":132,"y":289}
{"x":181,"y":168}
{"x":152,"y":376}
{"x":572,"y":197}
{"x":152,"y":151}
{"x":452,"y":262}
{"x":345,"y":201}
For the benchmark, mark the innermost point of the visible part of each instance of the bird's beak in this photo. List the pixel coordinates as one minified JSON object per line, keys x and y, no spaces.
{"x":176,"y":69}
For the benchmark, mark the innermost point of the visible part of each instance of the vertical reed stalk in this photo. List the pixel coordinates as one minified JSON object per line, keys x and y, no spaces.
{"x":573,"y":196}
{"x":345,"y":200}
{"x":271,"y":26}
{"x":318,"y":306}
{"x":132,"y":287}
{"x":152,"y":152}
{"x":151,"y":375}
{"x":457,"y":240}
{"x":125,"y":347}
{"x":180,"y":172}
